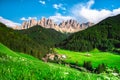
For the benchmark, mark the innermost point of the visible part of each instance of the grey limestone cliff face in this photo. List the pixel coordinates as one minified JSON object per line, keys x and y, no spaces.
{"x":69,"y":26}
{"x":28,"y":24}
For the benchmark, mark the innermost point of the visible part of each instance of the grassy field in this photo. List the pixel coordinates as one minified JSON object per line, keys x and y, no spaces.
{"x":18,"y":66}
{"x":95,"y":56}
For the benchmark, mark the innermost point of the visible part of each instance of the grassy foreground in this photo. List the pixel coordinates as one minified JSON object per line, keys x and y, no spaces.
{"x":17,"y":66}
{"x":95,"y":56}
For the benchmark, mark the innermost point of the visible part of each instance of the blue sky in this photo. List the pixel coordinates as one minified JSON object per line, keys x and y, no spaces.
{"x":59,"y":10}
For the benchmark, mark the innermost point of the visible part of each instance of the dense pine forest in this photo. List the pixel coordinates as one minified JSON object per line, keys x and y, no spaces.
{"x":104,"y":36}
{"x":47,"y":37}
{"x":20,"y":43}
{"x":36,"y":41}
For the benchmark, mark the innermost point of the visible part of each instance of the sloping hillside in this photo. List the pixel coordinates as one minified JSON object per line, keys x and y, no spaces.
{"x":104,"y":36}
{"x":47,"y":37}
{"x":15,"y":66}
{"x":20,"y":43}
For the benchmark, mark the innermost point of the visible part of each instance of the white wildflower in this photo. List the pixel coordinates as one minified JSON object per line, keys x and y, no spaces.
{"x":115,"y":74}
{"x":66,"y":73}
{"x":63,"y":56}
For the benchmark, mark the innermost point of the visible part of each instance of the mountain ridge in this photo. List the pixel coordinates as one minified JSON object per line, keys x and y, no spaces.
{"x":104,"y":36}
{"x":69,"y":26}
{"x":10,"y":24}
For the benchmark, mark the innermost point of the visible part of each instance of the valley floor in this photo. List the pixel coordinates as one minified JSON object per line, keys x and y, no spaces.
{"x":18,"y":66}
{"x":95,"y":56}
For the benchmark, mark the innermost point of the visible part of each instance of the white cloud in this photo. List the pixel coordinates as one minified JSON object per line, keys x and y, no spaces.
{"x":32,"y":18}
{"x":56,"y":6}
{"x":59,"y":6}
{"x":25,"y":19}
{"x":42,"y":2}
{"x":90,"y":3}
{"x":116,"y":11}
{"x":9,"y":23}
{"x":59,"y":18}
{"x":85,"y":13}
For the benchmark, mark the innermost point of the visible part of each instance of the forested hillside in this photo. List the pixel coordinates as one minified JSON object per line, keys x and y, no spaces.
{"x":20,"y":43}
{"x":105,"y":36}
{"x":36,"y":41}
{"x":43,"y":36}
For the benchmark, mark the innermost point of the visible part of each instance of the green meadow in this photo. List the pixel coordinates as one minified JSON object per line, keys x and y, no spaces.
{"x":95,"y":56}
{"x":19,"y":66}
